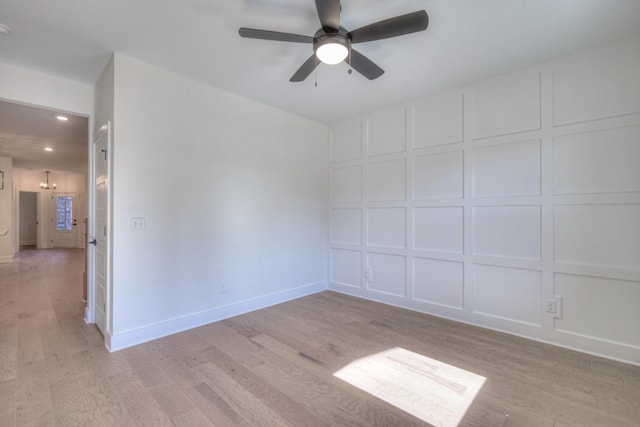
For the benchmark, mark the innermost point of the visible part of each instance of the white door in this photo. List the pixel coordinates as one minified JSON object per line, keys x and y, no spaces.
{"x":64,"y":222}
{"x":99,"y":230}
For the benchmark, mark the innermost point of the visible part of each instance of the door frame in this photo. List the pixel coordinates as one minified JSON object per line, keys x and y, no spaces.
{"x":90,"y":311}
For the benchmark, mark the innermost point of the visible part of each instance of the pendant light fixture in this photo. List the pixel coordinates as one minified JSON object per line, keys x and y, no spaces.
{"x":45,"y":186}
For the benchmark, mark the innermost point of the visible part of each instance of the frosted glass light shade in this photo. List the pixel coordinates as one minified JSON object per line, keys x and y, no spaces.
{"x":332,"y":53}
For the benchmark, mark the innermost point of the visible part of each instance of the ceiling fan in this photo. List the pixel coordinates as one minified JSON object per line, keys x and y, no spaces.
{"x":332,"y":43}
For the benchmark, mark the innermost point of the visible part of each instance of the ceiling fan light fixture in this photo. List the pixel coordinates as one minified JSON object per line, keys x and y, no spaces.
{"x":332,"y":49}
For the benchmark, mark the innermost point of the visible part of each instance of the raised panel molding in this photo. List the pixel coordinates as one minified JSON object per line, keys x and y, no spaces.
{"x":346,"y":226}
{"x":387,"y":133}
{"x":589,"y":300}
{"x":438,"y":121}
{"x":346,"y":267}
{"x":507,"y":170}
{"x":507,"y":231}
{"x":438,"y":282}
{"x":388,"y":274}
{"x":386,"y":180}
{"x":346,"y":141}
{"x":605,"y":161}
{"x":386,"y":227}
{"x":346,"y":184}
{"x":438,"y":176}
{"x":483,"y":203}
{"x":507,"y":108}
{"x":438,"y":229}
{"x":507,"y":293}
{"x":605,"y":86}
{"x":598,"y":235}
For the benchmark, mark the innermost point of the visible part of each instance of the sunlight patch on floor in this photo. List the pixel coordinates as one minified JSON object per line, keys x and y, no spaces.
{"x":433,"y":391}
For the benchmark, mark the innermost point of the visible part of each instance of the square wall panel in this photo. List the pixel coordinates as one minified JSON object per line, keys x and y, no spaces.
{"x":386,"y":181}
{"x":388,"y":274}
{"x":346,"y":267}
{"x":607,"y":86}
{"x":438,"y":121}
{"x":346,"y":141}
{"x":386,"y":227}
{"x":605,"y":309}
{"x":598,"y":235}
{"x":437,"y":176}
{"x":507,"y":231}
{"x":508,"y":293}
{"x":387,"y":133}
{"x":507,"y":170}
{"x":507,"y":108}
{"x":438,"y":282}
{"x":438,"y":229}
{"x":346,"y":226}
{"x":597,"y":162}
{"x":346,"y":184}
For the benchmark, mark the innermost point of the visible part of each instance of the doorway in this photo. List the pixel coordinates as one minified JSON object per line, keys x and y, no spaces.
{"x":28,"y":218}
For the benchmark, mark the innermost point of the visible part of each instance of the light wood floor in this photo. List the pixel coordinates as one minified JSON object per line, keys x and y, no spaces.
{"x":275,"y":366}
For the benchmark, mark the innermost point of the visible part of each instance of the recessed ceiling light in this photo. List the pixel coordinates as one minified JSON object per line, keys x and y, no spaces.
{"x":62,"y":118}
{"x":48,"y":149}
{"x":4,"y":29}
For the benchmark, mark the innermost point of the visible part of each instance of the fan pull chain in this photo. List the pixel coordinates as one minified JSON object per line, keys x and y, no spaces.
{"x":350,"y":70}
{"x":315,"y":73}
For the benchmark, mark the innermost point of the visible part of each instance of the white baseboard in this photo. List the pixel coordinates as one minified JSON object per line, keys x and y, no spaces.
{"x":4,"y":259}
{"x":144,"y":334}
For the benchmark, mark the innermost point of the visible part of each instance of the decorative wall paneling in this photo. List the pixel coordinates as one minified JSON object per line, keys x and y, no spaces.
{"x":501,"y":202}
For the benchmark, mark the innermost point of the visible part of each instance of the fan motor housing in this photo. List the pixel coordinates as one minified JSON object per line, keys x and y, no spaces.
{"x":321,"y":37}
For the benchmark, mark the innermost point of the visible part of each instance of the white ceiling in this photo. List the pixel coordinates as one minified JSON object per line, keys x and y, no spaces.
{"x":467,"y":41}
{"x":26,"y":131}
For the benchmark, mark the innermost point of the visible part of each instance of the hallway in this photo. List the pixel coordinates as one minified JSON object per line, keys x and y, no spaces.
{"x":45,"y":346}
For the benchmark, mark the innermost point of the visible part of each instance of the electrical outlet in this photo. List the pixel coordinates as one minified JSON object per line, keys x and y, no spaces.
{"x":367,"y":274}
{"x":552,"y":307}
{"x":223,"y":288}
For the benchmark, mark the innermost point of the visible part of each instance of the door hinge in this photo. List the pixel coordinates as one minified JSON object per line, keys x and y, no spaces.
{"x":105,"y":231}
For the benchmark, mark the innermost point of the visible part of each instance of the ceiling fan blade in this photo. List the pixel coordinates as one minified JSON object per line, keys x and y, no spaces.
{"x":252,"y":33}
{"x":329,"y":14}
{"x":305,"y":69}
{"x":365,"y":66}
{"x":392,"y":27}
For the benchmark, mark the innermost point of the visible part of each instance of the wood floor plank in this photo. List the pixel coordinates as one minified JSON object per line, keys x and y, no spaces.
{"x":192,"y":418}
{"x":239,"y":398}
{"x":7,"y":402}
{"x":266,"y":392}
{"x":68,"y":402}
{"x":215,"y":408}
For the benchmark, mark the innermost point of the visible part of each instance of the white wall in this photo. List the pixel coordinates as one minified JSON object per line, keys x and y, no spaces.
{"x":233,"y":194}
{"x":31,"y":87}
{"x":485,"y":203}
